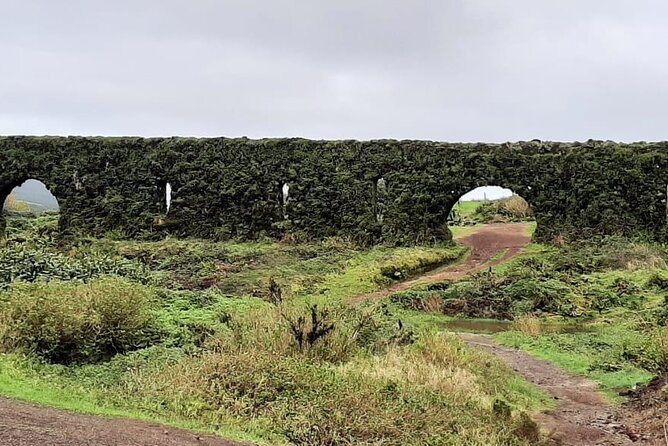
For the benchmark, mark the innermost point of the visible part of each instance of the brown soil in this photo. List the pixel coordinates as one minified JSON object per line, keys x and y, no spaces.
{"x":30,"y":425}
{"x":646,"y":412}
{"x":581,"y":417}
{"x":502,"y":240}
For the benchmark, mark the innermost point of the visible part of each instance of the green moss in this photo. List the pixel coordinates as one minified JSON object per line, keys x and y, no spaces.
{"x":231,"y":187}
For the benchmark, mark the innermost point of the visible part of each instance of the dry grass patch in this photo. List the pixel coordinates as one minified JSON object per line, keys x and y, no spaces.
{"x":527,"y":324}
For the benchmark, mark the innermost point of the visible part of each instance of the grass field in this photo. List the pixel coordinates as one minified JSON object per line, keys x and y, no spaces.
{"x":204,"y":335}
{"x":466,"y":209}
{"x":257,"y":341}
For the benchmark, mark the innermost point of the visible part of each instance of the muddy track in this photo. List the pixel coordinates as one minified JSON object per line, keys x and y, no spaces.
{"x":581,"y":417}
{"x":24,"y":424}
{"x":489,"y":246}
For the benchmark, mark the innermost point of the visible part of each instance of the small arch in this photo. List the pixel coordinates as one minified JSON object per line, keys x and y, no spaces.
{"x":285,"y":194}
{"x":26,"y":199}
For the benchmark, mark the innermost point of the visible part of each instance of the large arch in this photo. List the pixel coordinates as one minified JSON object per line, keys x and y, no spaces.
{"x":490,"y":204}
{"x":232,"y":186}
{"x":25,"y":198}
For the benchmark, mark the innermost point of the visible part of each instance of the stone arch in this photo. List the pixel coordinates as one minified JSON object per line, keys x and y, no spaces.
{"x":26,"y":197}
{"x":490,"y":204}
{"x":578,"y":189}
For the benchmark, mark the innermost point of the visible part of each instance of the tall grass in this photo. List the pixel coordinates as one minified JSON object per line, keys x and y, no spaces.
{"x":527,"y":324}
{"x":75,"y":322}
{"x":433,"y":392}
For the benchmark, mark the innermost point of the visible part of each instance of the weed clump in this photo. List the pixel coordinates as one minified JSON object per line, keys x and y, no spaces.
{"x":527,"y":324}
{"x":77,"y":323}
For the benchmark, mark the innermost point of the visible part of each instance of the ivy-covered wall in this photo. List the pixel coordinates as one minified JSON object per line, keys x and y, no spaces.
{"x":233,"y":187}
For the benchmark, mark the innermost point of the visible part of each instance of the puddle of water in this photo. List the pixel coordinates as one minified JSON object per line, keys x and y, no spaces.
{"x":487,"y":326}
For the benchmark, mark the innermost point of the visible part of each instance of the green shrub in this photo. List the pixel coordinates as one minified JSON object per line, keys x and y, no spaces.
{"x":659,"y":280}
{"x":549,"y":296}
{"x":75,"y":322}
{"x":511,"y":209}
{"x":418,"y":300}
{"x":25,"y":263}
{"x":276,"y":329}
{"x":481,"y":297}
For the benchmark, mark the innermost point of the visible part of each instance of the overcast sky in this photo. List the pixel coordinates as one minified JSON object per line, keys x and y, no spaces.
{"x":466,"y":70}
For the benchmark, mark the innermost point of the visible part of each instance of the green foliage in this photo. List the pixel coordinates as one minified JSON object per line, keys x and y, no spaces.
{"x":573,"y":281}
{"x":24,"y":263}
{"x":231,"y":188}
{"x":512,"y":209}
{"x":407,"y":263}
{"x":74,"y":322}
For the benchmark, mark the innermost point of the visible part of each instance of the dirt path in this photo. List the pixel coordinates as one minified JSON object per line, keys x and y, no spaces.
{"x":581,"y":417}
{"x":503,"y":241}
{"x":24,"y":424}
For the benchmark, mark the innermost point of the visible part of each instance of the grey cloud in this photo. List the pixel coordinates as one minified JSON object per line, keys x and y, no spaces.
{"x":460,"y":70}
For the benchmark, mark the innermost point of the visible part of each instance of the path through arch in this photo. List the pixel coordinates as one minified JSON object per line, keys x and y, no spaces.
{"x":489,"y":245}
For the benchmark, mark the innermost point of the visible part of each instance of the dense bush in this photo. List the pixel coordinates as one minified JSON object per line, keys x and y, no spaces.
{"x":24,"y":263}
{"x":512,"y":209}
{"x":75,"y":322}
{"x":556,"y":282}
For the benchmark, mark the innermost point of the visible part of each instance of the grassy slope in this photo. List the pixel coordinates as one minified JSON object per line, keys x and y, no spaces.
{"x":466,"y":209}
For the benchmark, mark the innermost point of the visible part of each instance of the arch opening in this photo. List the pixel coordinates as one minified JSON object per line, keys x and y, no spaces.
{"x":285,"y":199}
{"x":491,"y":205}
{"x":30,"y":199}
{"x":168,"y":197}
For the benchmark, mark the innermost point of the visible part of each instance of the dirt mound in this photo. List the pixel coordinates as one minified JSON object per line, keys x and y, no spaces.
{"x":646,"y":412}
